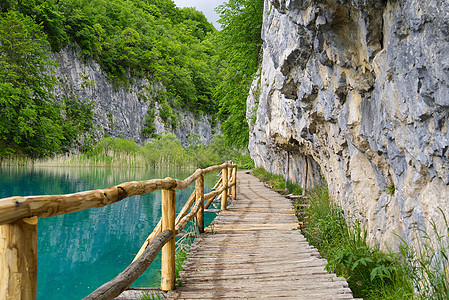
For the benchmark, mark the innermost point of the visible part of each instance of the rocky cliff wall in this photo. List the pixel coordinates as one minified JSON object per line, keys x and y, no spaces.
{"x":357,"y":93}
{"x":120,"y":111}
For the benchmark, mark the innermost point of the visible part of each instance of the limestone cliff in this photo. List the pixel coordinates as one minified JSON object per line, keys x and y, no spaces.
{"x":121,"y":111}
{"x":357,"y":92}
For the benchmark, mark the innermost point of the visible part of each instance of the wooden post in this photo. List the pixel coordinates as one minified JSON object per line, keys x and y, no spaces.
{"x":199,"y":190}
{"x":229,"y":179}
{"x":224,"y":195}
{"x":18,"y":260}
{"x":168,"y":251}
{"x":287,"y":171}
{"x":234,"y":187}
{"x":305,"y":176}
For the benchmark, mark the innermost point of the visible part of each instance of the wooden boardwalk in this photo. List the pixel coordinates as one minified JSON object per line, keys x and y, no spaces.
{"x":254,"y":250}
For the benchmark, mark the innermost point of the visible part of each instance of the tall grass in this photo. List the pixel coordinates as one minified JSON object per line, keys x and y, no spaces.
{"x":277,"y":181}
{"x":426,"y":262}
{"x":162,"y":152}
{"x":417,"y":271}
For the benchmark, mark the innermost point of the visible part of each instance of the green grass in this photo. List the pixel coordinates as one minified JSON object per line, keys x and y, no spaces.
{"x":153,"y":295}
{"x":427,"y":263}
{"x":371,"y":274}
{"x":418,"y":271}
{"x":161,"y":152}
{"x":277,"y":181}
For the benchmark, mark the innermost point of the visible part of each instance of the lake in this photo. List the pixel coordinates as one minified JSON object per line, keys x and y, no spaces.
{"x":79,"y":252}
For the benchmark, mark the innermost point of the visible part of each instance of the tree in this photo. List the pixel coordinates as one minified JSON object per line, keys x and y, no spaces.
{"x":239,"y":44}
{"x":31,"y":120}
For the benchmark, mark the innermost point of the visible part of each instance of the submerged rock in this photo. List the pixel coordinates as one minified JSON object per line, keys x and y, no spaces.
{"x":357,"y":92}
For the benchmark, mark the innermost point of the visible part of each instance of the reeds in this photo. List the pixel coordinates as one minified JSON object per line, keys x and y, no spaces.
{"x":166,"y":151}
{"x":426,"y":261}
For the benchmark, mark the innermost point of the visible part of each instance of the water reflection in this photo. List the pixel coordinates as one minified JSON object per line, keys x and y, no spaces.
{"x":79,"y":252}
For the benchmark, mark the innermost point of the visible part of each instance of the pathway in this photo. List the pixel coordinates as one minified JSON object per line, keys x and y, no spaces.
{"x":254,"y":250}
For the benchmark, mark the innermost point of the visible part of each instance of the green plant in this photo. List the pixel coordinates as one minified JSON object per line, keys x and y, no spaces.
{"x":239,"y":43}
{"x":371,"y":274}
{"x":294,"y":188}
{"x":148,"y":129}
{"x":31,"y":118}
{"x":247,"y":166}
{"x":276,"y":181}
{"x":391,"y":189}
{"x":153,"y":295}
{"x":427,"y":263}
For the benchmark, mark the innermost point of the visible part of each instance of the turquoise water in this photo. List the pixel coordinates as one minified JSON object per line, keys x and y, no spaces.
{"x":79,"y":252}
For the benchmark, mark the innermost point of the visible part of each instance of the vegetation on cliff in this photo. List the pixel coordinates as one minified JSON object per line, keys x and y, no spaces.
{"x":150,"y":39}
{"x":239,"y":44}
{"x":200,"y":69}
{"x":138,"y":38}
{"x":31,"y":120}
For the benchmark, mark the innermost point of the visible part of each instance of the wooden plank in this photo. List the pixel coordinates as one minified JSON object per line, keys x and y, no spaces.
{"x":252,"y":227}
{"x":252,"y":251}
{"x":210,"y":210}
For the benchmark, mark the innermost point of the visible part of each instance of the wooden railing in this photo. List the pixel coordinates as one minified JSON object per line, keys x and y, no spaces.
{"x":19,"y":219}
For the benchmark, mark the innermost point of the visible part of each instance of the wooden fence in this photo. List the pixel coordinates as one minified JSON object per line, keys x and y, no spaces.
{"x":19,"y":219}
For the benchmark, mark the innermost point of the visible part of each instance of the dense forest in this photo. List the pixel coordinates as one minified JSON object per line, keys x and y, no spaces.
{"x":200,"y":68}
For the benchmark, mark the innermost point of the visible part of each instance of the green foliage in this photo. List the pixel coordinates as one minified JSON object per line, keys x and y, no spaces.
{"x":30,"y":118}
{"x":153,"y":295}
{"x":163,"y":151}
{"x":135,"y":38}
{"x":152,"y":39}
{"x":277,"y":181}
{"x":371,"y":274}
{"x":115,"y":145}
{"x":415,"y":272}
{"x":239,"y":43}
{"x":427,"y":262}
{"x":148,"y":129}
{"x":294,"y":188}
{"x":391,"y":189}
{"x":166,"y":150}
{"x":247,"y":166}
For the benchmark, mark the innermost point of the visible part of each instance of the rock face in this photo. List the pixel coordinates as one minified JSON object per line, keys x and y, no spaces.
{"x":121,"y":111}
{"x":357,"y":94}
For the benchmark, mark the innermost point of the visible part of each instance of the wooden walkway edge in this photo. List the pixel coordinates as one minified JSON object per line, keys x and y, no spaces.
{"x":255,"y":250}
